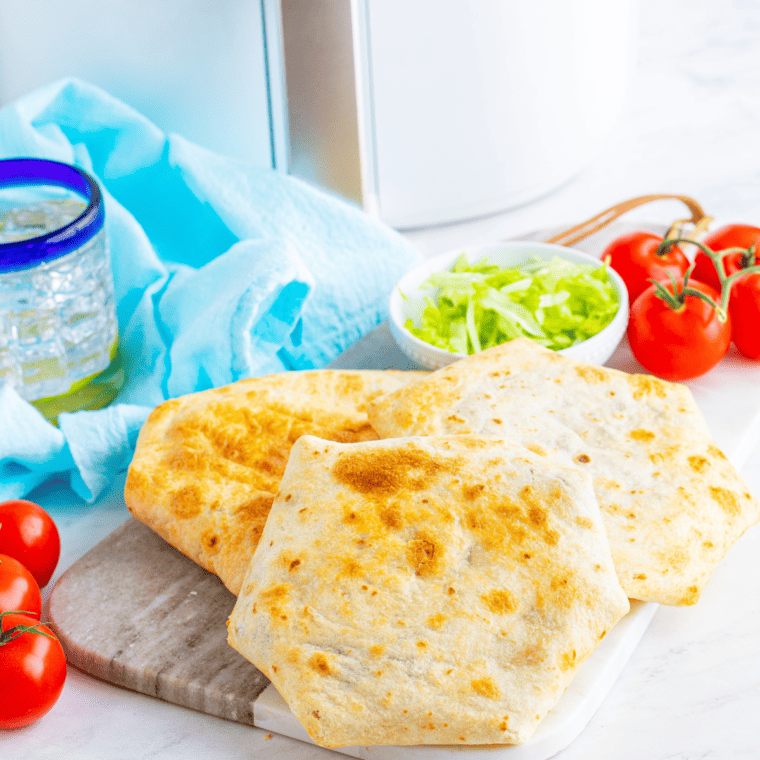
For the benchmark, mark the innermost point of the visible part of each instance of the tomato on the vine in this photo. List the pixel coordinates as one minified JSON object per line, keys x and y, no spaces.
{"x":744,"y":307}
{"x":18,"y":589}
{"x":634,"y":256}
{"x":28,"y":534}
{"x":678,"y":343}
{"x":32,"y":670}
{"x":731,"y":236}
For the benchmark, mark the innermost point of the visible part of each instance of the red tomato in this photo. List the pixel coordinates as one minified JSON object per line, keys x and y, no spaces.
{"x":744,"y":307}
{"x":18,"y":589}
{"x":32,"y":672}
{"x":678,"y":345}
{"x":634,"y":257}
{"x":730,"y":236}
{"x":28,"y":534}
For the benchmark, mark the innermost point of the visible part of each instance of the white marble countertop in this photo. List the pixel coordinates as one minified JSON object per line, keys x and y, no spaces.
{"x":691,"y":690}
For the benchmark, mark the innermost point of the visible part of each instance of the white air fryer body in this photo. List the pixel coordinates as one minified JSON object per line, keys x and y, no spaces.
{"x":450,"y":110}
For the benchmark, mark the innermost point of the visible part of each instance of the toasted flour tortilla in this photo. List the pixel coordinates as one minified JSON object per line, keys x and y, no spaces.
{"x":672,"y":503}
{"x":428,"y":590}
{"x":207,"y":465}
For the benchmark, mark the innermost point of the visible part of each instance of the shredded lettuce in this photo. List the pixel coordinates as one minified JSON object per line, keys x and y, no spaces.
{"x":557,"y":303}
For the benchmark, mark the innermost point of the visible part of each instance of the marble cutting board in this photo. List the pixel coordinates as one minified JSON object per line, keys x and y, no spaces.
{"x":137,"y":613}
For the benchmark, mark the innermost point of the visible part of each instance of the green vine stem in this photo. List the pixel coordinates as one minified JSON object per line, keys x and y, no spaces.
{"x":726,"y":282}
{"x":13,"y":633}
{"x":677,"y":299}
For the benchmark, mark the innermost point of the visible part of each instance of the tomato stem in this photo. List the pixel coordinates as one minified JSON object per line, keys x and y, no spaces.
{"x":748,"y":257}
{"x":677,"y":298}
{"x":717,"y":258}
{"x":13,"y":633}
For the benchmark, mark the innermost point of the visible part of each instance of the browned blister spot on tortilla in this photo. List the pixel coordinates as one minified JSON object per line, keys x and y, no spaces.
{"x":537,"y":515}
{"x":351,"y":568}
{"x":386,"y":472}
{"x":727,"y":500}
{"x":255,"y":509}
{"x":563,"y":591}
{"x":137,"y":483}
{"x":536,"y":449}
{"x":644,"y":385}
{"x":590,"y":374}
{"x":676,"y":558}
{"x":691,"y":595}
{"x":530,"y":655}
{"x":436,"y":621}
{"x":567,"y":660}
{"x":272,"y":599}
{"x":320,"y":664}
{"x":485,"y":687}
{"x":210,"y":541}
{"x":352,"y":515}
{"x":665,"y":455}
{"x":491,"y":529}
{"x":185,"y":502}
{"x":499,"y":521}
{"x":698,"y":463}
{"x":539,"y":506}
{"x":391,"y":516}
{"x":500,"y":601}
{"x":424,"y":556}
{"x":551,"y":537}
{"x":641,"y":435}
{"x":472,"y":492}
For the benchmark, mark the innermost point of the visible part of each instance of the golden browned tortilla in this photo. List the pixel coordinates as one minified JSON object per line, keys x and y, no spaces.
{"x":428,"y":590}
{"x":207,"y":465}
{"x":672,"y":503}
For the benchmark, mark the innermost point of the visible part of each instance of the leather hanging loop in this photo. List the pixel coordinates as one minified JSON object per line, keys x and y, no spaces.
{"x":699,"y":219}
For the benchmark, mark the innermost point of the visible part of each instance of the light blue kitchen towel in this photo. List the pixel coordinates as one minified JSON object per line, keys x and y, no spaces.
{"x":221,"y":271}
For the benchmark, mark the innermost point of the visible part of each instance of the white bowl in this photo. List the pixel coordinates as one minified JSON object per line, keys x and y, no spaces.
{"x":596,"y":350}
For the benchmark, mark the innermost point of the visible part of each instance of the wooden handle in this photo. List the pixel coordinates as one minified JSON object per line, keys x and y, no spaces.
{"x":699,"y":219}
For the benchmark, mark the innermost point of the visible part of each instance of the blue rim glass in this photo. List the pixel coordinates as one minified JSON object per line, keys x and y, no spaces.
{"x":25,"y":172}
